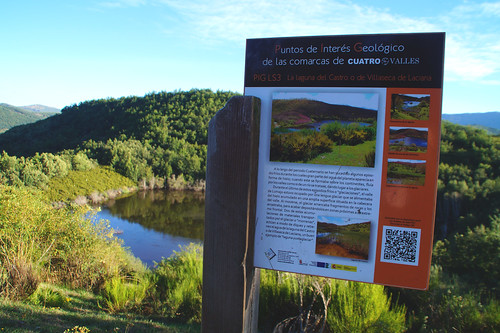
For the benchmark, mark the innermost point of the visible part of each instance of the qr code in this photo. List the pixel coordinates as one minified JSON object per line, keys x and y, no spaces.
{"x":400,"y":245}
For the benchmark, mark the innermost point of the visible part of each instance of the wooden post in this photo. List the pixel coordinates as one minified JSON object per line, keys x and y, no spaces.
{"x":230,"y":282}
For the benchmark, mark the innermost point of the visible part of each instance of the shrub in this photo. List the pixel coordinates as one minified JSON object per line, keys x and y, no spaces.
{"x":85,"y":183}
{"x":450,"y":305}
{"x":370,"y":159}
{"x":361,"y":307}
{"x":299,"y":146}
{"x":123,"y":294}
{"x":178,"y":284}
{"x":18,"y":278}
{"x":39,"y":243}
{"x":350,"y":134}
{"x":48,"y":296}
{"x":340,"y":306}
{"x":177,"y":183}
{"x":80,"y":162}
{"x":478,"y":248}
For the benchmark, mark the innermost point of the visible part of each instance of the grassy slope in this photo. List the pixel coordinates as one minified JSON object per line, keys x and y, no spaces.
{"x":84,"y":183}
{"x":78,"y":308}
{"x":346,"y":155}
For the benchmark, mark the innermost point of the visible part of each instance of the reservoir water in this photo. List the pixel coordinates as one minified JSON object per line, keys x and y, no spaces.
{"x":317,"y":125}
{"x":408,"y":141}
{"x":153,"y":224}
{"x":407,"y":105}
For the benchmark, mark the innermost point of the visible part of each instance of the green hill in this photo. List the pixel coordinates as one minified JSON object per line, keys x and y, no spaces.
{"x":157,"y":135}
{"x":11,"y":116}
{"x":297,"y":111}
{"x":41,"y":108}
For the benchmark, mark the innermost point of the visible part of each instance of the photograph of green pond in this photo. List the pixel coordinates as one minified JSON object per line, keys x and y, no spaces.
{"x":343,"y":237}
{"x":410,"y":106}
{"x":408,"y":139}
{"x":406,"y":172}
{"x":324,"y":128}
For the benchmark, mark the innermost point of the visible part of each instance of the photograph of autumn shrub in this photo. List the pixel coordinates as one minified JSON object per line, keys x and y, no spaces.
{"x":406,"y":172}
{"x":410,"y":106}
{"x":324,"y":128}
{"x":408,"y":139}
{"x":343,"y":237}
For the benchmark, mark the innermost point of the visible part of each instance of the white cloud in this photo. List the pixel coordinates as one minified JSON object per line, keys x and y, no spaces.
{"x":472,"y":42}
{"x":491,"y":8}
{"x":122,"y":3}
{"x":261,"y":18}
{"x":472,"y":29}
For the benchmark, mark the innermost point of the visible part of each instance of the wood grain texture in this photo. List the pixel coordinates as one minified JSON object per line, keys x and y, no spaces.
{"x":230,"y":282}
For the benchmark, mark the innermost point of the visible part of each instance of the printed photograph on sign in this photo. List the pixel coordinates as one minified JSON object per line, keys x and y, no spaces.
{"x":410,"y":106}
{"x":324,"y":128}
{"x":408,"y":139}
{"x":406,"y":172}
{"x":343,"y":237}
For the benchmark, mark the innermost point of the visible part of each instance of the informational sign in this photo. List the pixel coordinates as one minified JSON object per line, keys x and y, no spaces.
{"x":349,"y":153}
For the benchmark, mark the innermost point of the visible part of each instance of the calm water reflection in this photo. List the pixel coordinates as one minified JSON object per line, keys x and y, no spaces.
{"x":154,"y":223}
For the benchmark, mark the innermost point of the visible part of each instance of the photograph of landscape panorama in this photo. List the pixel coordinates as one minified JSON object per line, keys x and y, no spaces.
{"x":408,"y":139}
{"x":343,"y":237}
{"x":406,"y":172}
{"x":324,"y":128}
{"x":410,"y":106}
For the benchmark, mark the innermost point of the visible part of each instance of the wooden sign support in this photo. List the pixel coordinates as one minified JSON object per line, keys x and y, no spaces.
{"x":230,"y":282}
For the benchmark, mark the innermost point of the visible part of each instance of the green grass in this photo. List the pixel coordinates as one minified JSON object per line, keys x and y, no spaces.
{"x":123,"y":294}
{"x":404,"y":148}
{"x":352,"y":306}
{"x":84,"y":183}
{"x":413,"y":113}
{"x":79,"y":308}
{"x":405,"y":175}
{"x":346,"y":155}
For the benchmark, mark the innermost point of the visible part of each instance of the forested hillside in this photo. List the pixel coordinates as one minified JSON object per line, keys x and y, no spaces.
{"x":159,"y":134}
{"x":469,"y":179}
{"x":11,"y":116}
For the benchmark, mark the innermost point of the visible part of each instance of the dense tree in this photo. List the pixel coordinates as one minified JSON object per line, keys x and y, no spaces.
{"x":37,"y":170}
{"x":469,"y":179}
{"x":157,"y":135}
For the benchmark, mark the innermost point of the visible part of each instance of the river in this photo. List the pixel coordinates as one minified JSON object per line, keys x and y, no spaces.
{"x":153,"y":224}
{"x":317,"y":125}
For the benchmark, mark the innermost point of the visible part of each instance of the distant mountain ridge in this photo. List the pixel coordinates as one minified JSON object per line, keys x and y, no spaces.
{"x":162,"y":119}
{"x":40,"y":108}
{"x":297,"y":111}
{"x":487,"y":120}
{"x":407,"y":132}
{"x":11,"y":116}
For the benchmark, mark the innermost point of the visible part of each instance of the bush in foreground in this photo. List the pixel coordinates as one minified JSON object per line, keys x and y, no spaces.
{"x":450,"y":305}
{"x":178,"y":284}
{"x":293,"y":302}
{"x":286,"y":299}
{"x":41,"y":244}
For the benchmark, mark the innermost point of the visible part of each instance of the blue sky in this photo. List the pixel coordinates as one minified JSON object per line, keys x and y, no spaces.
{"x":60,"y":53}
{"x":339,"y":220}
